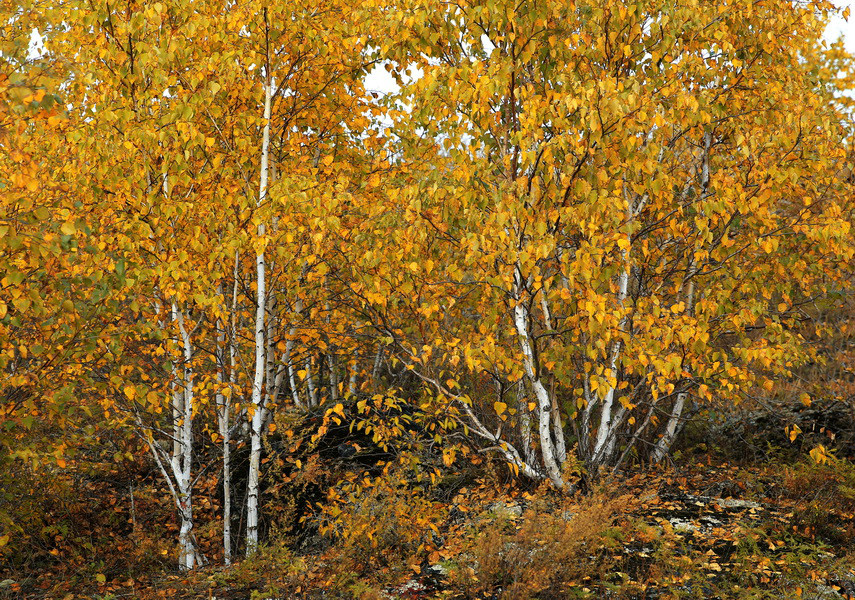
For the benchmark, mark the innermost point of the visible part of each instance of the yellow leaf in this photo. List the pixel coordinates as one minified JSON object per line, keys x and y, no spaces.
{"x":4,"y":539}
{"x":101,"y":578}
{"x":794,"y":432}
{"x":500,"y":407}
{"x":130,"y":392}
{"x":339,"y":408}
{"x":68,"y":228}
{"x":805,"y":399}
{"x":623,"y":244}
{"x":820,"y":455}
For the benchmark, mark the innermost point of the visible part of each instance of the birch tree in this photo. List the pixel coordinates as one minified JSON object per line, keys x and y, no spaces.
{"x":259,"y":408}
{"x":627,"y":204}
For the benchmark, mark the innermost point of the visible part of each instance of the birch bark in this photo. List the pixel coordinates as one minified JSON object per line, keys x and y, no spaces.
{"x":226,"y":337}
{"x":544,"y":402}
{"x":258,"y":416}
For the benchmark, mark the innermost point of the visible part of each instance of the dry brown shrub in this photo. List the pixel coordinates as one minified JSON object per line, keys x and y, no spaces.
{"x":548,"y":552}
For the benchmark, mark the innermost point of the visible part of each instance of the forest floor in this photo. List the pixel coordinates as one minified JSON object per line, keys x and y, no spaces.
{"x":700,"y":528}
{"x":713,"y":523}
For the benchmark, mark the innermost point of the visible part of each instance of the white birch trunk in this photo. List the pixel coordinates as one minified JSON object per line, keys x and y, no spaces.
{"x":260,"y":346}
{"x":608,"y":426}
{"x":227,"y":482}
{"x":292,"y":379}
{"x":525,"y":424}
{"x":660,"y":451}
{"x":375,"y":371}
{"x":351,"y":382}
{"x":557,"y":426}
{"x":310,"y":382}
{"x":182,"y":462}
{"x":189,"y":555}
{"x":180,"y":456}
{"x":543,"y":400}
{"x":558,"y":431}
{"x":606,"y":430}
{"x":224,"y":403}
{"x":177,"y":410}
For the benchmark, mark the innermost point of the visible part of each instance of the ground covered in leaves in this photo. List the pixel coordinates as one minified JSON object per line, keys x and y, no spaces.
{"x":701,"y":528}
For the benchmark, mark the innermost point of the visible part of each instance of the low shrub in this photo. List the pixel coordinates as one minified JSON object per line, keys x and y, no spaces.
{"x":384,"y":525}
{"x":548,"y":552}
{"x":825,"y":498}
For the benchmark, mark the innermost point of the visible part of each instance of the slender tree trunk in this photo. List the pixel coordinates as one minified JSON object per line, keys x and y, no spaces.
{"x":292,"y":379}
{"x":544,"y":402}
{"x":182,"y":463}
{"x":310,"y":383}
{"x":260,"y":346}
{"x":189,"y":555}
{"x":660,"y":451}
{"x":557,"y":428}
{"x":351,"y":382}
{"x":557,"y":425}
{"x":224,"y":402}
{"x":606,"y":432}
{"x":311,"y":389}
{"x":611,"y":416}
{"x":180,"y":456}
{"x":525,"y":424}
{"x":227,"y":493}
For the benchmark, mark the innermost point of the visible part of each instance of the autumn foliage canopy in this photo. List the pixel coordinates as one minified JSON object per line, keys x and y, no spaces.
{"x":570,"y":227}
